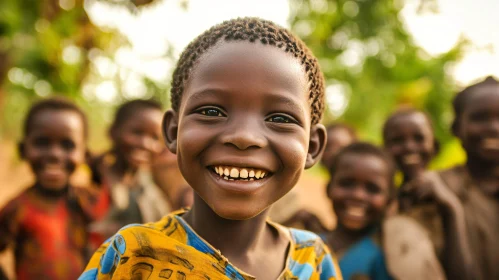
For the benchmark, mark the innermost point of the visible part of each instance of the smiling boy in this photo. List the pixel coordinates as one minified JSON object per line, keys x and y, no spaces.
{"x":247,"y":96}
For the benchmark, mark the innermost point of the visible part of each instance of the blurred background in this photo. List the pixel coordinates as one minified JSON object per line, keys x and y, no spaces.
{"x":376,"y":56}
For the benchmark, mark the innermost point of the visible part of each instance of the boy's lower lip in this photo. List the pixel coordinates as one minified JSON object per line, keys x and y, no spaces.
{"x":237,"y":186}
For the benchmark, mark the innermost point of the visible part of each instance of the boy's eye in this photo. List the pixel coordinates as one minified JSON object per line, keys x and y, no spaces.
{"x":68,"y":145}
{"x":346,"y":183}
{"x":419,"y":138}
{"x":41,"y":142}
{"x":373,"y":189}
{"x":279,"y":119}
{"x":479,"y":117}
{"x":211,"y":112}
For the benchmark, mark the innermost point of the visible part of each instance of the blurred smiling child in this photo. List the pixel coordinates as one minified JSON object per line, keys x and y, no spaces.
{"x":129,"y":194}
{"x":247,"y":98}
{"x":408,"y":137}
{"x":361,"y":188}
{"x":46,"y":223}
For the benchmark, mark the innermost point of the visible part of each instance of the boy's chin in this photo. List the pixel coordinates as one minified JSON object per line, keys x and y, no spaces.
{"x":237,"y":213}
{"x":52,"y":190}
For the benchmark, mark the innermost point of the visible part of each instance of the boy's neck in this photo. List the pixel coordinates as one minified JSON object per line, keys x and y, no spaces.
{"x":342,"y":238}
{"x":50,"y":194}
{"x":233,"y":238}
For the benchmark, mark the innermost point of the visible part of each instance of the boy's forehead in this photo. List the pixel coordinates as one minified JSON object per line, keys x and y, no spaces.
{"x":64,"y":120}
{"x":249,"y":64}
{"x":485,"y":93}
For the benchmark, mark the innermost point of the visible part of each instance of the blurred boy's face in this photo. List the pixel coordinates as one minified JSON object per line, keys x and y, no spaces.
{"x":360,"y":191}
{"x":138,"y":139}
{"x":410,"y":140}
{"x":244,"y":128}
{"x":479,"y":124}
{"x":54,"y":146}
{"x":337,"y":139}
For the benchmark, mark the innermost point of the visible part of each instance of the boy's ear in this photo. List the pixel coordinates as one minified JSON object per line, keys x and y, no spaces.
{"x":170,"y":129}
{"x":20,"y":150}
{"x":317,"y":144}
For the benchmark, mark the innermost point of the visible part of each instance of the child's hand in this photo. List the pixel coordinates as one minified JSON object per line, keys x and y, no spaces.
{"x":430,"y":187}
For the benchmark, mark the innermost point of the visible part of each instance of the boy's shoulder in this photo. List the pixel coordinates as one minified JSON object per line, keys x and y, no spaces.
{"x":309,"y":250}
{"x":19,"y":201}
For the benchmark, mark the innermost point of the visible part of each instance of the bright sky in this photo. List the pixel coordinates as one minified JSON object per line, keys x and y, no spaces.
{"x":156,"y":25}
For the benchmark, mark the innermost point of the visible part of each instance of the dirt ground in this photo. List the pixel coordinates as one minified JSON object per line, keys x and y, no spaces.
{"x":15,"y":176}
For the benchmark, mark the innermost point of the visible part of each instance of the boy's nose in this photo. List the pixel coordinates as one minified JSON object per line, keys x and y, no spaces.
{"x":55,"y":153}
{"x":244,"y":134}
{"x":410,"y":145}
{"x":359,"y":193}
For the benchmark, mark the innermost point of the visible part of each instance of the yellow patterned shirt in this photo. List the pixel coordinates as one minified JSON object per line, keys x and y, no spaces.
{"x":170,"y":249}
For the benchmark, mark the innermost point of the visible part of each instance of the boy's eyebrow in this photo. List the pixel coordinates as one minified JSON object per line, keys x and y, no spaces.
{"x":275,"y":98}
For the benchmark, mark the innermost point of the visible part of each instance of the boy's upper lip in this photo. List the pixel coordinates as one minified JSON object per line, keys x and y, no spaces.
{"x":242,"y":162}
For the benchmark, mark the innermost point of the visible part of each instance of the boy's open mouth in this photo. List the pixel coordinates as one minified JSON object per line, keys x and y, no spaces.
{"x":411,"y":159}
{"x":232,"y":173}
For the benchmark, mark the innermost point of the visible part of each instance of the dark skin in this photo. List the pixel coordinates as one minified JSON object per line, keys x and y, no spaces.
{"x":245,"y":106}
{"x":360,"y":192}
{"x":411,"y":142}
{"x":136,"y":141}
{"x":478,"y":130}
{"x":54,"y":147}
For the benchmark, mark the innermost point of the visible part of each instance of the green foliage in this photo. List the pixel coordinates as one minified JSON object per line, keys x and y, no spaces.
{"x":364,"y":47}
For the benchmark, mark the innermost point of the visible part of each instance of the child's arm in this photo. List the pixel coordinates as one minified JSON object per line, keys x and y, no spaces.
{"x":457,"y":259}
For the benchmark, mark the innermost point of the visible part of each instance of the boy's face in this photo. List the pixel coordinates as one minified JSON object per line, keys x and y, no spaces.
{"x":138,"y":139}
{"x":244,"y":113}
{"x":360,"y":191}
{"x":54,"y":146}
{"x":410,"y":140}
{"x":479,"y":124}
{"x":337,"y":139}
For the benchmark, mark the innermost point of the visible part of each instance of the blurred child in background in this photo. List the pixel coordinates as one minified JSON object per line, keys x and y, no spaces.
{"x":361,"y":188}
{"x":408,"y":136}
{"x":124,"y":171}
{"x":474,"y":184}
{"x":287,"y":210}
{"x":46,"y":224}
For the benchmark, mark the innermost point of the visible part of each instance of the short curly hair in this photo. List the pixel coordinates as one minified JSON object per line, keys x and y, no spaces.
{"x":252,"y":30}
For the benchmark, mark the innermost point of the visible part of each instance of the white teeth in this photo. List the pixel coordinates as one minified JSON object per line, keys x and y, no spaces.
{"x":356,"y":211}
{"x":243,"y":173}
{"x":234,"y":173}
{"x":412,"y":159}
